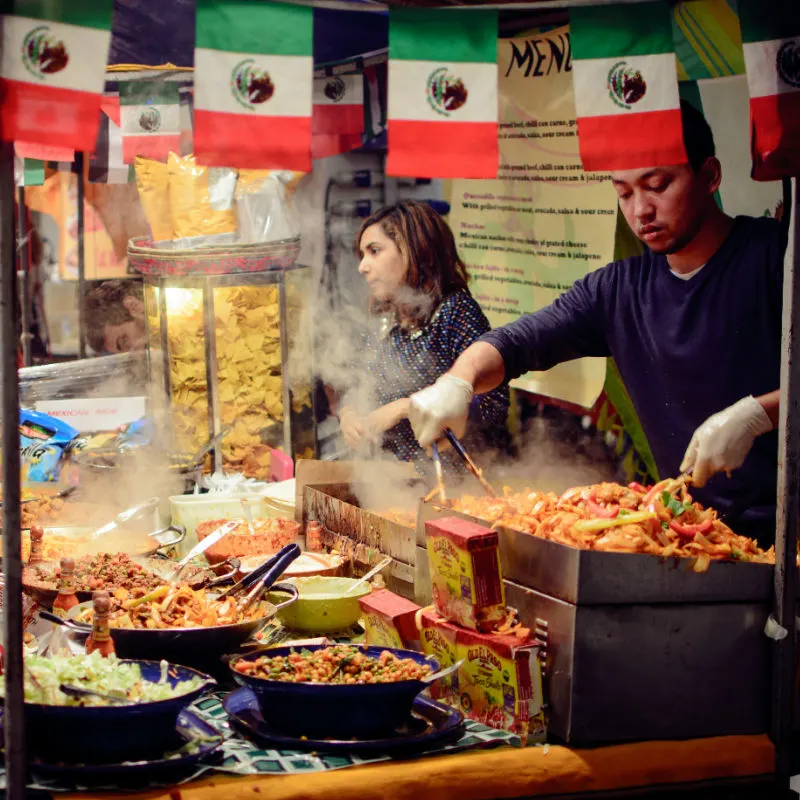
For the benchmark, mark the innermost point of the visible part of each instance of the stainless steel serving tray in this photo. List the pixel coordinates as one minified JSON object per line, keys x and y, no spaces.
{"x":588,"y":577}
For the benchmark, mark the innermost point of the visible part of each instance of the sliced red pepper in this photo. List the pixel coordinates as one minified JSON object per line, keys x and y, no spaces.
{"x":690,"y":530}
{"x":603,"y":512}
{"x":637,"y":487}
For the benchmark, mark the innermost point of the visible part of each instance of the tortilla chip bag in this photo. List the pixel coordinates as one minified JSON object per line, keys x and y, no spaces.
{"x":193,"y":213}
{"x":152,"y":181}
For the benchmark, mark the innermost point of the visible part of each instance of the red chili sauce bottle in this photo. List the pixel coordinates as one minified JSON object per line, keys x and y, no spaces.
{"x":66,"y":598}
{"x":100,"y":637}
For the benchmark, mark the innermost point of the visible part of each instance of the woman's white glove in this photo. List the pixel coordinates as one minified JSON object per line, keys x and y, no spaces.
{"x":444,"y":404}
{"x":723,"y":441}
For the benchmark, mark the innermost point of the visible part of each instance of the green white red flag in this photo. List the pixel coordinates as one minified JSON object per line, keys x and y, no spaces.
{"x":150,"y":119}
{"x":337,"y":118}
{"x":52,"y":71}
{"x":253,"y":84}
{"x":442,"y":93}
{"x":625,"y":77}
{"x":771,"y":40}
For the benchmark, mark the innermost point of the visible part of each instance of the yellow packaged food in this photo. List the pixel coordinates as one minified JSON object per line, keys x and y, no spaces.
{"x":190,"y":201}
{"x":466,"y":580}
{"x":152,"y":181}
{"x":252,"y":180}
{"x":500,"y":683}
{"x":438,"y":638}
{"x":389,"y":620}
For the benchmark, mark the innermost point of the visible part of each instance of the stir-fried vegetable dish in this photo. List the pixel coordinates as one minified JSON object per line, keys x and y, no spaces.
{"x":342,"y":664}
{"x":661,"y":520}
{"x":43,"y":676}
{"x":174,"y":606}
{"x":102,"y":571}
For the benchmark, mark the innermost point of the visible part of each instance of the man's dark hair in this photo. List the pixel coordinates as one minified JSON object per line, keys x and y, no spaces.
{"x":697,"y":136}
{"x":104,"y":305}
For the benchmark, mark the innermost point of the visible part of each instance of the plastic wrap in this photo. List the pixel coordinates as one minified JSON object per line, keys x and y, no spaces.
{"x":263,"y":209}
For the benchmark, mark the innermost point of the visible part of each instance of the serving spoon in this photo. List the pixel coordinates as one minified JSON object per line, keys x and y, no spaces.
{"x":443,"y":673}
{"x":374,"y":571}
{"x":77,"y":691}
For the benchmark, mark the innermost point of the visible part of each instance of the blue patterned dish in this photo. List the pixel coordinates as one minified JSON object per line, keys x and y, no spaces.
{"x":431,"y":724}
{"x":193,"y":733}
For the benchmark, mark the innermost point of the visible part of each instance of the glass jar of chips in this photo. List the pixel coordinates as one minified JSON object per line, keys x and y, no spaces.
{"x":233,"y":350}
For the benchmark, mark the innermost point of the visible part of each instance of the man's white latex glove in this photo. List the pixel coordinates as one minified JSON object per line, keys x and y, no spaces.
{"x":723,"y":441}
{"x":444,"y":404}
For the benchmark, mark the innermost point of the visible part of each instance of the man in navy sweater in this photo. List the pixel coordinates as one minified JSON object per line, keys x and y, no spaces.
{"x":694,"y":325}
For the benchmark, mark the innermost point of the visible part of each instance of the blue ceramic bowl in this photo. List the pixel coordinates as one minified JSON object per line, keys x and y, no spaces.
{"x":111,"y":734}
{"x":342,"y":711}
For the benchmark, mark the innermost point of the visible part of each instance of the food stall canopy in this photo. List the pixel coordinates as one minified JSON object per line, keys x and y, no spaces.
{"x":147,"y":33}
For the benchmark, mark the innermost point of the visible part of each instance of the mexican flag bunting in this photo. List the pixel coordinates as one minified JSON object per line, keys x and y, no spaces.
{"x":106,"y":163}
{"x":626,"y":86}
{"x":253,"y":85}
{"x":442,"y":93}
{"x":150,"y":119}
{"x":375,"y":99}
{"x":771,"y":39}
{"x":337,"y":117}
{"x":28,"y":171}
{"x":52,"y":71}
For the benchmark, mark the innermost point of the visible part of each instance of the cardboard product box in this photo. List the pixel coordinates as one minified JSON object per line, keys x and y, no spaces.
{"x":500,"y":683}
{"x":438,"y":638}
{"x":389,"y":620}
{"x":466,"y":580}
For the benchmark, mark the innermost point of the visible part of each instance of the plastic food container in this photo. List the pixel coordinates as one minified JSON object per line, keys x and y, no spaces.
{"x":189,"y":510}
{"x":270,"y":536}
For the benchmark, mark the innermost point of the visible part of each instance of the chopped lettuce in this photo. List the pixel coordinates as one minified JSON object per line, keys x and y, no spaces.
{"x":43,"y":676}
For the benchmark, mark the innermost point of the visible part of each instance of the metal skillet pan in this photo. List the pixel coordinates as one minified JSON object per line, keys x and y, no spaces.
{"x":44,"y":593}
{"x":192,"y":646}
{"x":187,"y":646}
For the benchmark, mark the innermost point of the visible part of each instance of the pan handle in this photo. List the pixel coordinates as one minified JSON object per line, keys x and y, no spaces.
{"x":288,"y":588}
{"x":180,"y":535}
{"x":80,"y":627}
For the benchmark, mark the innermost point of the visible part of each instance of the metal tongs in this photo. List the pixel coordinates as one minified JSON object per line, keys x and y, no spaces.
{"x":471,"y":466}
{"x":263,"y":577}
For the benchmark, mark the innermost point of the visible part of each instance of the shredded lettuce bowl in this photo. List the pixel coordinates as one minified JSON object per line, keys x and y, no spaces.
{"x":110,"y":675}
{"x":85,"y":730}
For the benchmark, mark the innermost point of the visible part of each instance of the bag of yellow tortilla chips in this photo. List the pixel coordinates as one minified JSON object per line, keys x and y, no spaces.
{"x":152,"y":181}
{"x":190,"y":200}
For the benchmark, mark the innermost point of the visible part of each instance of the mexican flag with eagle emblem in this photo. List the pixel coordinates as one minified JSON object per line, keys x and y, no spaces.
{"x":253,"y":84}
{"x":150,"y":119}
{"x":337,"y":118}
{"x":771,"y":40}
{"x":52,"y":71}
{"x":626,"y":87}
{"x":442,"y":93}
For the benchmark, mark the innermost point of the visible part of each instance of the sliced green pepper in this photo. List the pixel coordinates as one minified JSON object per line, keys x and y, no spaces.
{"x":589,"y":525}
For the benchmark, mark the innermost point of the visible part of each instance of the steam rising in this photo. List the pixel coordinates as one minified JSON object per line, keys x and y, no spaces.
{"x":548,"y":456}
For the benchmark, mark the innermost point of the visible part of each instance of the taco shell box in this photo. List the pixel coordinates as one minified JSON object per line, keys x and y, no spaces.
{"x":437,"y":638}
{"x":500,"y":682}
{"x":466,"y":580}
{"x":389,"y":620}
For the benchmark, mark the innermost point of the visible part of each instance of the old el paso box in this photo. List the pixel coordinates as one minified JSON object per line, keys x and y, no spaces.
{"x":465,"y":572}
{"x":500,"y":683}
{"x":437,"y":638}
{"x":389,"y":620}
